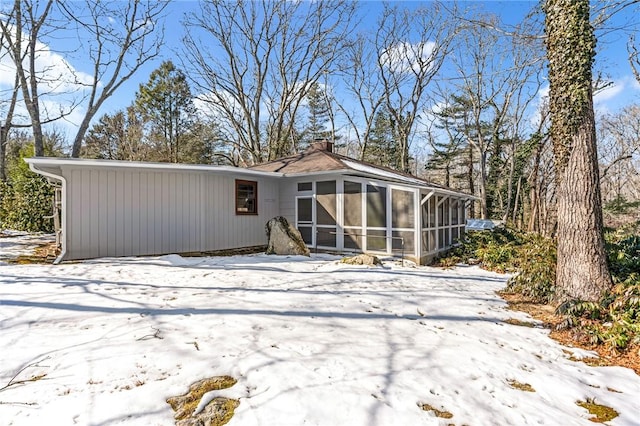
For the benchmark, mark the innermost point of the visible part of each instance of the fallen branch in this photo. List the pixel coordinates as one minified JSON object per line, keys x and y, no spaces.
{"x":14,"y":382}
{"x":17,"y":403}
{"x":155,"y":335}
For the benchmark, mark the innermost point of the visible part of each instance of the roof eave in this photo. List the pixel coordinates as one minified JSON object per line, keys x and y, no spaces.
{"x":357,"y":173}
{"x":57,"y":162}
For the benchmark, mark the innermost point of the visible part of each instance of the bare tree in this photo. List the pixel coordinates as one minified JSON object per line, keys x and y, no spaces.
{"x":118,"y":38}
{"x":524,"y":81}
{"x":582,"y":271}
{"x":5,"y":128}
{"x":407,"y":67}
{"x":634,"y":58}
{"x":270,"y":52}
{"x":364,"y":89}
{"x":619,"y":154}
{"x":23,"y":26}
{"x":8,"y":110}
{"x":497,"y":80}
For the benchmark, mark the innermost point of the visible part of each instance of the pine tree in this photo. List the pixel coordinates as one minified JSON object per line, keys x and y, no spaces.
{"x":117,"y":136}
{"x":449,"y":162}
{"x":381,"y":148}
{"x":319,"y":124}
{"x":166,"y":103}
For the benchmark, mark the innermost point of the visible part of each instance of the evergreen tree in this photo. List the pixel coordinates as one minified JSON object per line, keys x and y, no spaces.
{"x":117,"y":137}
{"x":319,"y":113}
{"x":26,"y":199}
{"x":449,"y":163}
{"x":381,"y":148}
{"x":166,"y":104}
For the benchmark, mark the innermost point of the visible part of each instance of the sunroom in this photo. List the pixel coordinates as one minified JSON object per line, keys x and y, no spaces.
{"x":361,"y":214}
{"x":341,"y":204}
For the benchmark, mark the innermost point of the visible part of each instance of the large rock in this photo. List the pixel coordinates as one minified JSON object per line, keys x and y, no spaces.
{"x":284,"y":239}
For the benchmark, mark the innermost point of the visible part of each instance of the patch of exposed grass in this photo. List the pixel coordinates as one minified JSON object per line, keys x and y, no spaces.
{"x":601,"y":413}
{"x":443,"y":414}
{"x":590,"y":360}
{"x":222,"y":409}
{"x":29,"y":260}
{"x":525,"y":387}
{"x":521,"y":323}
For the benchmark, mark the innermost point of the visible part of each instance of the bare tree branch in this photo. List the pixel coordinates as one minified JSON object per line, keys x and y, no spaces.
{"x":273,"y":51}
{"x":117,"y":47}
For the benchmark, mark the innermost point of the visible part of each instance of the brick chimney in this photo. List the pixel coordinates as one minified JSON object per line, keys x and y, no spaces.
{"x":320,"y":145}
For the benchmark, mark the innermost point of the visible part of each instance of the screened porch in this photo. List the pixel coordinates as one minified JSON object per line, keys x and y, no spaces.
{"x":353,"y":214}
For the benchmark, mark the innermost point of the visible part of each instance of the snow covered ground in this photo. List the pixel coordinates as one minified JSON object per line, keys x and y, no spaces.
{"x":311,"y":342}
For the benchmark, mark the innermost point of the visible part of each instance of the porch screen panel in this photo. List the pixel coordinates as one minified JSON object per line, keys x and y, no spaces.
{"x":376,"y":218}
{"x":305,"y":219}
{"x":454,"y":212}
{"x":455,"y":235}
{"x":352,"y":204}
{"x":445,"y":212}
{"x":425,"y":241}
{"x":425,"y":214}
{"x":326,"y":237}
{"x":353,"y":239}
{"x":326,"y":203}
{"x":306,"y":232}
{"x":352,"y":215}
{"x":402,"y":215}
{"x":377,"y":239}
{"x":376,"y":207}
{"x":402,"y":238}
{"x":433,"y":242}
{"x":432,"y":212}
{"x":305,"y":212}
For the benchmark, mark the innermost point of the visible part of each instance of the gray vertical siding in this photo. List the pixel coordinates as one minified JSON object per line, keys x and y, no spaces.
{"x":124,"y":212}
{"x":288,"y":193}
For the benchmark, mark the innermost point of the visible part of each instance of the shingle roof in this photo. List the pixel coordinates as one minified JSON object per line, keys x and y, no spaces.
{"x":316,"y":159}
{"x":305,"y":162}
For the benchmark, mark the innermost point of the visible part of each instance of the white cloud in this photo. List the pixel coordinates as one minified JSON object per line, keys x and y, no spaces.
{"x":55,"y":74}
{"x":609,"y":93}
{"x":404,"y":57}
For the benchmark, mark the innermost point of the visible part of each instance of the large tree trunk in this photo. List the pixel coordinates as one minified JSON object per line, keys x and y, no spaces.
{"x":582,"y":268}
{"x":582,"y":271}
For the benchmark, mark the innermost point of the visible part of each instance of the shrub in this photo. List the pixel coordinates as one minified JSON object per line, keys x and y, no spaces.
{"x":530,"y":256}
{"x":26,"y":199}
{"x":536,"y":277}
{"x":615,"y":320}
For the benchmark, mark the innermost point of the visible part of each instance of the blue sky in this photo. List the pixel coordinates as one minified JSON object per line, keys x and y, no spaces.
{"x":611,"y":60}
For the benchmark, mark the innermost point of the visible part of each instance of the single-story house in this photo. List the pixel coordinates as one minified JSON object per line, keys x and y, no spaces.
{"x":125,"y":208}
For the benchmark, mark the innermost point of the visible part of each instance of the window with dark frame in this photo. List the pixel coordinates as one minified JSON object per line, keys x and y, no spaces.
{"x":305,"y":186}
{"x":246,"y":197}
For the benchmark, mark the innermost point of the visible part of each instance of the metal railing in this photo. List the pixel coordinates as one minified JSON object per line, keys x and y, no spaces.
{"x":367,"y":236}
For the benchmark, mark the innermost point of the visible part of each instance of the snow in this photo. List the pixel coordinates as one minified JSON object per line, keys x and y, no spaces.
{"x":311,"y":341}
{"x":14,"y":243}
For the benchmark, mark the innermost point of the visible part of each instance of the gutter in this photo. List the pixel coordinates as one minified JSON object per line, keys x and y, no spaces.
{"x":84,"y":162}
{"x":450,"y":192}
{"x":63,"y":221}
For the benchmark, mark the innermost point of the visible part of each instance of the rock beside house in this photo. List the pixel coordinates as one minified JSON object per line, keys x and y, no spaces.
{"x":284,"y":239}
